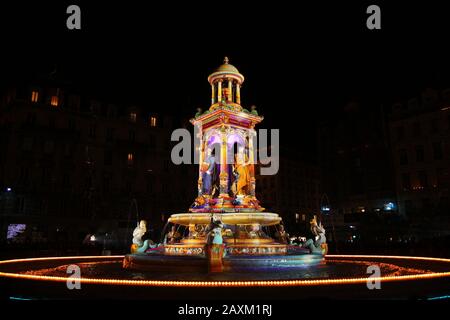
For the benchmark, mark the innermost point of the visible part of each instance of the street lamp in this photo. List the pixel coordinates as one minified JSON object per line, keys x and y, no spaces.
{"x":325,"y":209}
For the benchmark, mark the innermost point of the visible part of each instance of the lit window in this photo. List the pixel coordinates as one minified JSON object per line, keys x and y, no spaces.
{"x":153,"y":121}
{"x":54,"y":101}
{"x":130,"y":159}
{"x":133,"y":116}
{"x":34,"y":96}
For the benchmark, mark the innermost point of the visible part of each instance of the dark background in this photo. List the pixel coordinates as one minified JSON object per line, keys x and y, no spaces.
{"x":306,"y":58}
{"x":303,"y":62}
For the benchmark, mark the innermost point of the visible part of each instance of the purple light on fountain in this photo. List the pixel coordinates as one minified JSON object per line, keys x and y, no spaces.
{"x":235,"y":138}
{"x":213,"y":139}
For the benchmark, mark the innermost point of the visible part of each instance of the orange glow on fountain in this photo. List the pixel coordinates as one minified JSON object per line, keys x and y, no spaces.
{"x":226,"y":182}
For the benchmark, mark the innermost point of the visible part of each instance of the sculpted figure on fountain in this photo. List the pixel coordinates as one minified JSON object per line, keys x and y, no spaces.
{"x":139,"y":244}
{"x":319,"y":243}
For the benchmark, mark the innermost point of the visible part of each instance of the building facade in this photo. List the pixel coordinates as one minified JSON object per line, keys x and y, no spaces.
{"x":420,"y":138}
{"x":293,"y":193}
{"x":70,"y":163}
{"x":356,"y":168}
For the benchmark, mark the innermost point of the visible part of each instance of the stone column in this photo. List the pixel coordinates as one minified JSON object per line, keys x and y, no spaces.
{"x":213,"y":93}
{"x":230,"y":90}
{"x":251,"y":160}
{"x":238,"y":93}
{"x":223,"y":166}
{"x":201,"y":152}
{"x":219,"y":91}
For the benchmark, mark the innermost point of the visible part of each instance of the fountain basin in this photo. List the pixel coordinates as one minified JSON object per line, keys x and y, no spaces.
{"x":231,"y":263}
{"x":229,"y":218}
{"x":337,"y":277}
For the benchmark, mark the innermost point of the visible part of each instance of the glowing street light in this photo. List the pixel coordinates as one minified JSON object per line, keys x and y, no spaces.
{"x":389,"y":206}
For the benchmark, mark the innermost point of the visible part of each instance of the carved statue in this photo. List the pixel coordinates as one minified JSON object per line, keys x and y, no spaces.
{"x":282,"y":236}
{"x":254,"y":111}
{"x":319,"y":244}
{"x":214,"y":247}
{"x":255,"y":232}
{"x":242,"y":175}
{"x":173,"y":236}
{"x":139,"y":245}
{"x":193,"y":234}
{"x":214,"y":236}
{"x":209,"y":173}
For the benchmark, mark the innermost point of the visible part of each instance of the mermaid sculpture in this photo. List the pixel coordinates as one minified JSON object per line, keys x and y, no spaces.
{"x":214,"y":246}
{"x":214,"y":235}
{"x":319,"y":244}
{"x":139,"y":245}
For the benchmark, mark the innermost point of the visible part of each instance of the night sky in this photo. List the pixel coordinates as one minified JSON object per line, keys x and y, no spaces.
{"x":306,"y":59}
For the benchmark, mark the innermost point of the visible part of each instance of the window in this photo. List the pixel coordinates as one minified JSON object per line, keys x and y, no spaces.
{"x":152,"y":121}
{"x":112,"y":111}
{"x":31,"y":118}
{"x":54,"y":101}
{"x":65,"y":180}
{"x":426,"y":203}
{"x":108,"y":157}
{"x":130,"y":159}
{"x":423,"y":179}
{"x":437,"y":151}
{"x":95,"y":107}
{"x":48,"y":146}
{"x":444,"y":203}
{"x":420,"y":154}
{"x":106,"y":183}
{"x":132,"y":135}
{"x":434,"y":128}
{"x":72,"y":125}
{"x":34,"y":96}
{"x":403,"y":157}
{"x":74,"y":102}
{"x":128,"y":186}
{"x":406,"y":181}
{"x":152,"y":142}
{"x":408,"y":206}
{"x":92,"y":131}
{"x":150,"y":184}
{"x":417,"y":130}
{"x":109,"y":134}
{"x":133,"y":116}
{"x":67,"y":150}
{"x":27,"y":144}
{"x":400,"y":133}
{"x":20,"y":204}
{"x":442,"y":178}
{"x":52,"y":122}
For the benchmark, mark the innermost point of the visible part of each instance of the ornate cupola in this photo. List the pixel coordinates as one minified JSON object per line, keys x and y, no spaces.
{"x":227,"y":130}
{"x":226,"y":82}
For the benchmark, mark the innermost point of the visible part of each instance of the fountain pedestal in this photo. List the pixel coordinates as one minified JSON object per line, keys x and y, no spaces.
{"x":227,"y":194}
{"x":214,"y":255}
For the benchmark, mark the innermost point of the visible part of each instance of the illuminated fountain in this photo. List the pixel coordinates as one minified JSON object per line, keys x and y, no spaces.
{"x":226,"y":246}
{"x":226,"y":194}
